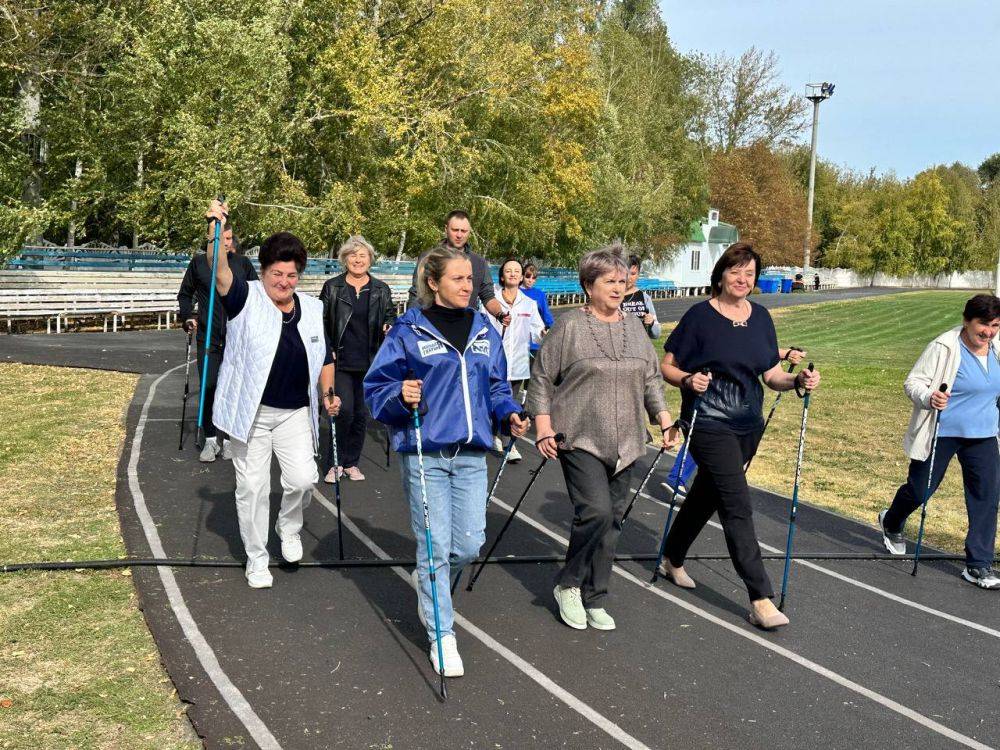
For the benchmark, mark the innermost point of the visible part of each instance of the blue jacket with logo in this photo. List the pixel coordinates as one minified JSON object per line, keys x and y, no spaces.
{"x":465,"y":394}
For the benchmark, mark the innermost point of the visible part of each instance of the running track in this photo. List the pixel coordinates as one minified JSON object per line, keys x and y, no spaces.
{"x":335,"y":658}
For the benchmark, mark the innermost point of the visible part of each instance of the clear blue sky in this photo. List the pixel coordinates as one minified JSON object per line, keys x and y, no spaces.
{"x":918,"y":82}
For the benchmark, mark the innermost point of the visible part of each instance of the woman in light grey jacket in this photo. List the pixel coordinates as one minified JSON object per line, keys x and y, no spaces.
{"x":595,"y":379}
{"x":966,"y":359}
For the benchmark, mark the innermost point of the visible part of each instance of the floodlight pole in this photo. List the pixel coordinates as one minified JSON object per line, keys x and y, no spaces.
{"x":816,"y":93}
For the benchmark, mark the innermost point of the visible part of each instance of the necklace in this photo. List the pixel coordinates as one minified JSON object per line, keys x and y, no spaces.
{"x":295,"y":314}
{"x":597,"y":338}
{"x":503,"y":293}
{"x":742,"y":323}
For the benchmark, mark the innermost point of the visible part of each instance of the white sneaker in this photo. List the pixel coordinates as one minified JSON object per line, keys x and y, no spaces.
{"x":514,"y":456}
{"x":354,"y":474}
{"x":259,"y":578}
{"x":210,"y":451}
{"x":571,"y":606}
{"x":453,"y":666}
{"x":497,"y":444}
{"x":291,"y":548}
{"x":227,"y":450}
{"x":599,"y":619}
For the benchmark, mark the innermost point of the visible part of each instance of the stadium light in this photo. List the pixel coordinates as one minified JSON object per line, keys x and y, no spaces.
{"x":815,"y":92}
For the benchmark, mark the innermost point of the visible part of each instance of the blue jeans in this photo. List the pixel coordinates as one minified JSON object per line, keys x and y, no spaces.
{"x":456,"y":499}
{"x":690,"y":467}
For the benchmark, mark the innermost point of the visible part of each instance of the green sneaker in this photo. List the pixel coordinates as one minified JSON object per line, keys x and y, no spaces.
{"x":600,"y":619}
{"x":570,"y":606}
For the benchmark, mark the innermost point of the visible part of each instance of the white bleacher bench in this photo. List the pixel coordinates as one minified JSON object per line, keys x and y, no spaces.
{"x":61,"y":307}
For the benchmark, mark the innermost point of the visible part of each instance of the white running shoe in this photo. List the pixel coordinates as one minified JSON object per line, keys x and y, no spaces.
{"x":354,"y":474}
{"x":497,"y":444}
{"x":227,"y":450}
{"x":984,"y":578}
{"x":599,"y":619}
{"x":893,"y":541}
{"x":570,"y":604}
{"x":291,"y":548}
{"x":210,"y":451}
{"x":453,"y":666}
{"x":514,"y":456}
{"x":259,"y":577}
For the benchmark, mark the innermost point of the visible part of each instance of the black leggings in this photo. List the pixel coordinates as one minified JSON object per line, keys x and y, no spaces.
{"x":351,"y":421}
{"x":721,"y":486}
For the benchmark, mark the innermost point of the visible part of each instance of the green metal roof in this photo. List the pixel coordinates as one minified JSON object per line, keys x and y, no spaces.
{"x":723,"y":234}
{"x":695,"y":234}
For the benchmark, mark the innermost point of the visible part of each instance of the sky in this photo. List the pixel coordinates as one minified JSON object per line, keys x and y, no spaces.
{"x":917,"y":82}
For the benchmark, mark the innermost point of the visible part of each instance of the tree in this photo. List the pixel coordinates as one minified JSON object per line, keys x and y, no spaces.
{"x":742,"y":102}
{"x":754,"y":189}
{"x":989,"y":169}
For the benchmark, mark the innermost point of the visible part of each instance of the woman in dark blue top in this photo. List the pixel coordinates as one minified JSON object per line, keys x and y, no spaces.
{"x":735,"y":340}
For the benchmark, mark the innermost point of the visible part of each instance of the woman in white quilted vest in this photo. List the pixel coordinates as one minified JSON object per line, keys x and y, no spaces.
{"x":267,"y":398}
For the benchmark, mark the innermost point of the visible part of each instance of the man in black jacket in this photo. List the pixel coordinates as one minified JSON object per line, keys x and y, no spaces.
{"x":457,"y":229}
{"x":194,"y":288}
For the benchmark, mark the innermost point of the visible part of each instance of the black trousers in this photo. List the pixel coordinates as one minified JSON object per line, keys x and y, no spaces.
{"x":599,"y":498}
{"x":349,"y":385}
{"x":721,"y":486}
{"x":980,"y":462}
{"x":214,"y":362}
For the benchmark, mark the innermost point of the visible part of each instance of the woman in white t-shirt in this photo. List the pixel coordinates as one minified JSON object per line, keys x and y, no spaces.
{"x":526,"y":326}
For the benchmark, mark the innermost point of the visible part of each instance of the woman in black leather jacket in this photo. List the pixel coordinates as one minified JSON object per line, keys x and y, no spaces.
{"x":358,"y":311}
{"x":734,"y":339}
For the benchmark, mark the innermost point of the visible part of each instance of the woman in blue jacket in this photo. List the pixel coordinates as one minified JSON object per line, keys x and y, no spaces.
{"x":449,"y":360}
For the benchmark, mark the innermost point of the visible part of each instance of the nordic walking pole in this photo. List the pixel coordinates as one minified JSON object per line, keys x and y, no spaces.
{"x":430,"y":551}
{"x":685,"y":450}
{"x":649,"y":473}
{"x":777,"y":400}
{"x":187,"y":388}
{"x":496,"y":480}
{"x":943,"y":388}
{"x":388,"y":445}
{"x":208,"y":327}
{"x":795,"y":498}
{"x":559,"y":437}
{"x":336,"y":476}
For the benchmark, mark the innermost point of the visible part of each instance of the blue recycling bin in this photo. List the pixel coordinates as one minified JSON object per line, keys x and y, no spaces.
{"x":786,"y":286}
{"x":769,"y":284}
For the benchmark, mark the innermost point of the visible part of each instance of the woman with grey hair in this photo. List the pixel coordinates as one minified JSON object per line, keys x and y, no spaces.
{"x":594,"y":376}
{"x":358,"y":311}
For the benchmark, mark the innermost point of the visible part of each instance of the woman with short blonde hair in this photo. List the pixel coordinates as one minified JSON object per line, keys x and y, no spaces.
{"x":357,"y":311}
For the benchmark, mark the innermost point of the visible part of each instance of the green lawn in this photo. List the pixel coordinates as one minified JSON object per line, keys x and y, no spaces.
{"x":854,"y":459}
{"x":78,"y":668}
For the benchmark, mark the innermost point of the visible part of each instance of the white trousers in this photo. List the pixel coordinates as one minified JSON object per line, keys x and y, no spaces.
{"x":288,"y":435}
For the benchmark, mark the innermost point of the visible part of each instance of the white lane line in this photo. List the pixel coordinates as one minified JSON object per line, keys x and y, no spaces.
{"x":861,"y":584}
{"x":206,"y":656}
{"x":875,"y":590}
{"x":553,"y":688}
{"x":822,"y":671}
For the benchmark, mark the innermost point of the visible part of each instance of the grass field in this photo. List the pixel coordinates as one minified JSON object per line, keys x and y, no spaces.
{"x":78,"y":668}
{"x":854,"y":458}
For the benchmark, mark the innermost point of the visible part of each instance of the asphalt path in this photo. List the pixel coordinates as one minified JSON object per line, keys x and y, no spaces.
{"x":335,"y":657}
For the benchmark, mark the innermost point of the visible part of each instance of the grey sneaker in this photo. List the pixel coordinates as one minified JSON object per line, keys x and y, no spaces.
{"x":893,"y":540}
{"x":227,"y":450}
{"x":210,"y":451}
{"x":984,"y":578}
{"x":571,"y":606}
{"x":599,"y":619}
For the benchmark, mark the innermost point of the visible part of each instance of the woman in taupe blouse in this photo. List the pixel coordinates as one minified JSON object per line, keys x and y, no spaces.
{"x":593,"y":378}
